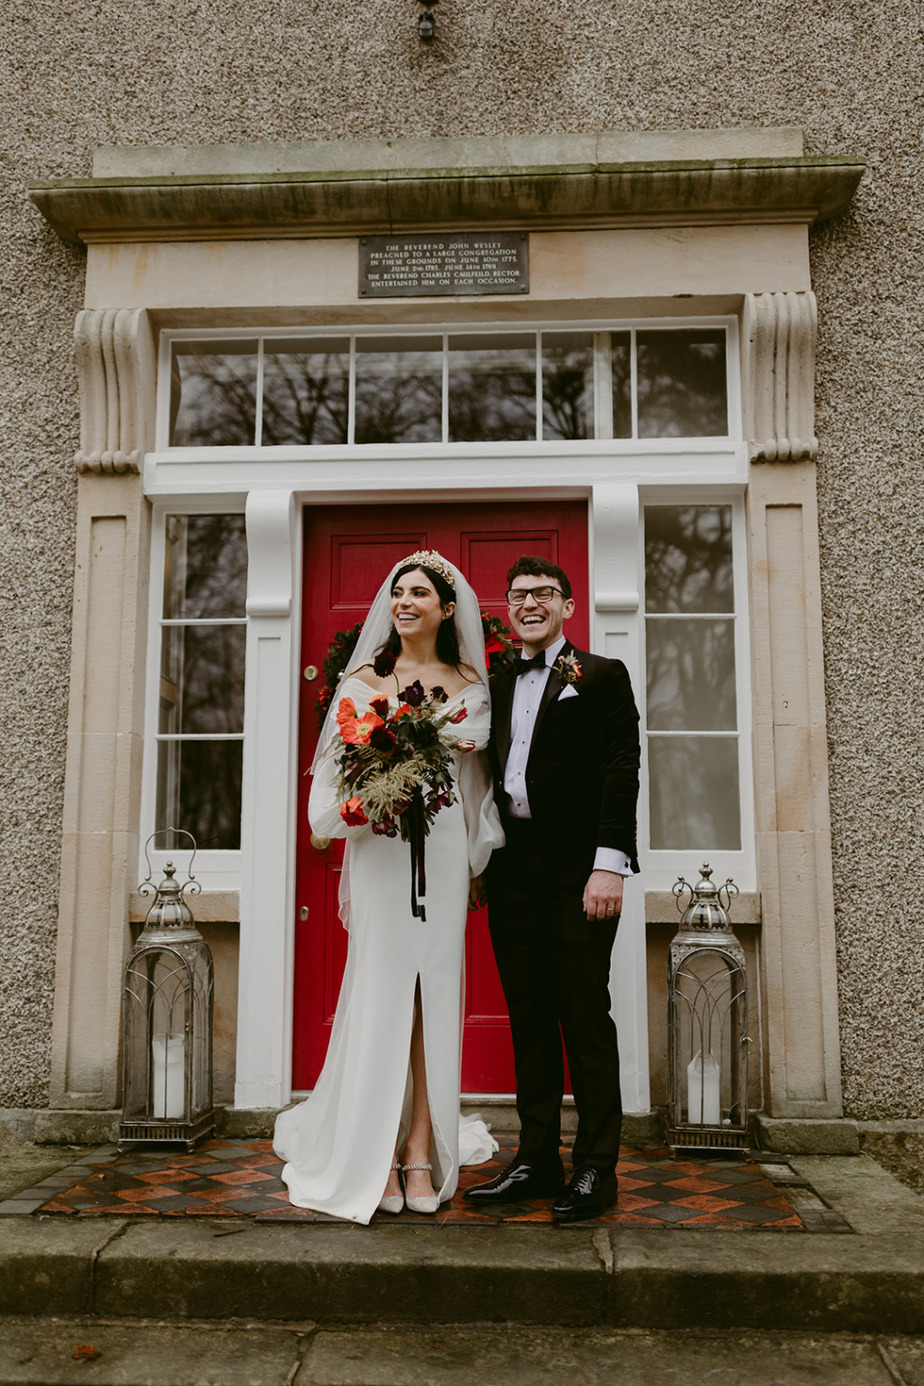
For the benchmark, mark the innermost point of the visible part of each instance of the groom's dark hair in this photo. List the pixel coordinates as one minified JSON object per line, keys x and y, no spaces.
{"x":527,"y":566}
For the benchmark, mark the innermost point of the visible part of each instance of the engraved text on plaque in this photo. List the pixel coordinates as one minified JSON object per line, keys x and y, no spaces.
{"x":464,"y":262}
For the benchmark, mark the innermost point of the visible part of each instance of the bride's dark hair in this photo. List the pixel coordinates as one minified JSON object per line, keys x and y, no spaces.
{"x":447,"y":637}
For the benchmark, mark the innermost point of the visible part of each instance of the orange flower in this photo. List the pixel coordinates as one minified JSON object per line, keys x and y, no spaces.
{"x":405,"y":710}
{"x":346,"y":709}
{"x":352,"y":813}
{"x":356,"y":731}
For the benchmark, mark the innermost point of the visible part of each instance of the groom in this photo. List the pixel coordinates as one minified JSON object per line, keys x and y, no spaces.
{"x":565,"y":749}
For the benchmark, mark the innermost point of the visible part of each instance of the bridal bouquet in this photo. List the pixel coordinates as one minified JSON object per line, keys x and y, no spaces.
{"x":395,"y":767}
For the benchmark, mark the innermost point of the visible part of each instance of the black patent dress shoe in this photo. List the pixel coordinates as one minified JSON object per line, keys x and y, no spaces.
{"x":519,"y":1180}
{"x":589,"y":1194}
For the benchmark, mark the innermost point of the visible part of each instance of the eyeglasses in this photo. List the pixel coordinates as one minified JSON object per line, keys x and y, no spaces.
{"x":517,"y":595}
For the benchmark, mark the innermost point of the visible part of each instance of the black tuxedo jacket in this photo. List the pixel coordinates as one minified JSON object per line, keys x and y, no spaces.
{"x":582,"y":772}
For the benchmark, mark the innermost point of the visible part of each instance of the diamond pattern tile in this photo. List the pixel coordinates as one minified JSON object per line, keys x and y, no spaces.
{"x":238,"y":1178}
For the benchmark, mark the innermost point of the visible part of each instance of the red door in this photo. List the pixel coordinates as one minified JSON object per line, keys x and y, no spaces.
{"x":348,"y":552}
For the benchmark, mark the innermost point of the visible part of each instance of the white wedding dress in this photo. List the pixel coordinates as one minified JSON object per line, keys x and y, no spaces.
{"x":339,"y":1144}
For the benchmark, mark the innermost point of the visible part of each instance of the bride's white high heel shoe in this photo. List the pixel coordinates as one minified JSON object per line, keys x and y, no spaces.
{"x":392,"y":1203}
{"x":427,"y":1204}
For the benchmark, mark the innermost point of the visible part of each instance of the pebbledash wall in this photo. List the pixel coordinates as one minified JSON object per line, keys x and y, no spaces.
{"x":851,"y":78}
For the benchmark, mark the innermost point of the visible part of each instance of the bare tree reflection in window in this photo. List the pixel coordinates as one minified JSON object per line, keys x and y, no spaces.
{"x":691,"y":675}
{"x":682,"y":387}
{"x":567,"y":385}
{"x":621,"y":375}
{"x":202,"y":677}
{"x":399,"y":390}
{"x":207,"y":802}
{"x":306,"y":392}
{"x":691,"y":678}
{"x":213,"y":394}
{"x":694,"y":790}
{"x":688,"y":558}
{"x":492,"y":388}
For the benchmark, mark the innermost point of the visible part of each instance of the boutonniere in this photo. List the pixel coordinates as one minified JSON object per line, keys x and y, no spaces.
{"x":568,"y":668}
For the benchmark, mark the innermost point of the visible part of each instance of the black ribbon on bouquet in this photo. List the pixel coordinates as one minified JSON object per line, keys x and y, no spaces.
{"x":417,"y":834}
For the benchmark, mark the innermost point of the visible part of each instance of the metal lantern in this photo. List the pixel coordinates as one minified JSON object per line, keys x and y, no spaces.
{"x":708,"y":1021}
{"x":167,"y":1019}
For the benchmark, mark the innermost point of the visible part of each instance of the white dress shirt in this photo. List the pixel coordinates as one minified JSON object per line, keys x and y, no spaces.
{"x":527,"y":697}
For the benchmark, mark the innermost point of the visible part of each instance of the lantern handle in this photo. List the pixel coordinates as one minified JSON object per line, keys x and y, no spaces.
{"x":191,"y":885}
{"x":678,"y":889}
{"x":731,"y":890}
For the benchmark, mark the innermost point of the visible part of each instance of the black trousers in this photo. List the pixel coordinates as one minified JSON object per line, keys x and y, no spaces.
{"x":554,"y":966}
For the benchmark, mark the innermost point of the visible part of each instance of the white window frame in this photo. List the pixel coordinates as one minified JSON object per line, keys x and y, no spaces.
{"x":602,"y":399}
{"x":215,"y":870}
{"x":661,"y":868}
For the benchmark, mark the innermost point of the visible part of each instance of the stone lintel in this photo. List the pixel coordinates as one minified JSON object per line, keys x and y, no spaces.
{"x":331,"y":202}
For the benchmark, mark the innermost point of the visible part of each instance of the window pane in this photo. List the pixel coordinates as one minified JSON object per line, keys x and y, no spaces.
{"x":492,"y":389}
{"x":567,"y":385}
{"x":621,"y":357}
{"x":691,"y":675}
{"x":205,"y":572}
{"x":688,"y":558}
{"x":199,"y":789}
{"x":694,"y":793}
{"x":213,"y":393}
{"x":202,"y":679}
{"x":399,"y":390}
{"x":682,"y":391}
{"x":306,"y":389}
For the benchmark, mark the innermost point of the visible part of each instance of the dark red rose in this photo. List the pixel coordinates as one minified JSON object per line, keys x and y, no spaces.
{"x":382,"y":739}
{"x":439,"y":694}
{"x":384,"y":664}
{"x":380,"y":707}
{"x":414,"y":694}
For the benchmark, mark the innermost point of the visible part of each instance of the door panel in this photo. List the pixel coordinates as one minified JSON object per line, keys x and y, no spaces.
{"x":348,"y":551}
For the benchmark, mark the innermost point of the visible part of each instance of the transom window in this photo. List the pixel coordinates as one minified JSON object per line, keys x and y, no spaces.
{"x":449,"y":387}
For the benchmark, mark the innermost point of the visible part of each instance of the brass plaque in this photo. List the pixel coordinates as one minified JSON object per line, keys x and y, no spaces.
{"x":463,"y":262}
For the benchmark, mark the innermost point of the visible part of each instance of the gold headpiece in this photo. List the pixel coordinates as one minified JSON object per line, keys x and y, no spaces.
{"x":429,"y":558}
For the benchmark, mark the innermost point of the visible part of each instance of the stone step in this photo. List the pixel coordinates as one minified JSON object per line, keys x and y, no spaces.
{"x":129,"y":1353}
{"x":179,"y":1269}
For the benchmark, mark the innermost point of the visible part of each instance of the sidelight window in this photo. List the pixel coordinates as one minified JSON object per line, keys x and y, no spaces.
{"x":692,"y":676}
{"x":200,"y":729}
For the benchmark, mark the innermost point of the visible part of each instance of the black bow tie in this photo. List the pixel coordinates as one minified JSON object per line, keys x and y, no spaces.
{"x":537,"y":662}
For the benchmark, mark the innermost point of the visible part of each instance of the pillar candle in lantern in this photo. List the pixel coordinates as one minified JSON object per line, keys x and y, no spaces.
{"x":703,"y":1089}
{"x":169,"y":1094}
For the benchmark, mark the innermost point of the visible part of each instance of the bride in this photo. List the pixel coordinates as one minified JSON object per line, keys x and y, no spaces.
{"x":382,"y":1126}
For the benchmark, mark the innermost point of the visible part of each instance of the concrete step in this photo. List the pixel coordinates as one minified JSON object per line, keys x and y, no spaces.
{"x":126,"y":1353}
{"x":180,"y":1269}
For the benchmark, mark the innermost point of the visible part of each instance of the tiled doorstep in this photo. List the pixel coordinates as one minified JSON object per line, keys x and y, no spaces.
{"x":229,"y":1178}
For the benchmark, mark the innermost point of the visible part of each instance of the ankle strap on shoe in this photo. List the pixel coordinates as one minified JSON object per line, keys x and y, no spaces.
{"x":407,"y":1167}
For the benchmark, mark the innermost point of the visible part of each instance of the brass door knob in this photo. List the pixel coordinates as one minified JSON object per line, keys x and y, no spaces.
{"x":310,"y":672}
{"x":320,"y":844}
